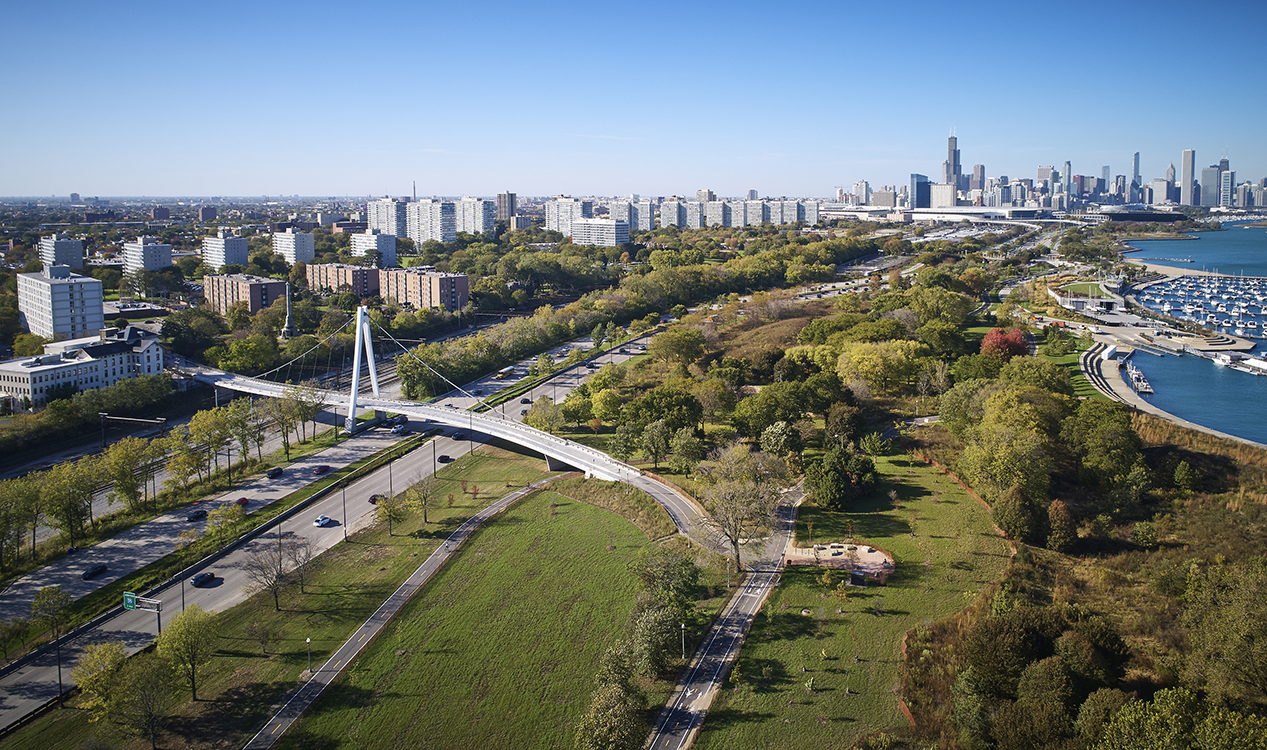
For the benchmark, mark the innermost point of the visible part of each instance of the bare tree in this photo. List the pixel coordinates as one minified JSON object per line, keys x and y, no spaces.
{"x":300,"y":553}
{"x":265,"y":571}
{"x":262,"y":632}
{"x":739,"y":507}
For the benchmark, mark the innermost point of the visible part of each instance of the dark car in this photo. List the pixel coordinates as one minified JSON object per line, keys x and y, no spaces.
{"x":459,"y":436}
{"x":241,"y":501}
{"x":444,"y":458}
{"x":200,"y":579}
{"x":375,"y":498}
{"x":196,"y":515}
{"x":274,"y":472}
{"x":93,"y":571}
{"x":319,"y":470}
{"x":525,"y":400}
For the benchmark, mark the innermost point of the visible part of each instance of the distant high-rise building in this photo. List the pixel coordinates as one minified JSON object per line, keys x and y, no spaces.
{"x":1227,"y":188}
{"x":694,"y":214}
{"x":74,"y":197}
{"x":1107,"y":176}
{"x":1170,"y":174}
{"x":1210,"y":185}
{"x":919,"y":195}
{"x":505,"y":206}
{"x":752,"y":195}
{"x":1187,"y":178}
{"x":58,"y":304}
{"x":360,"y":280}
{"x":942,"y":195}
{"x":1224,"y":165}
{"x":295,"y":246}
{"x":600,"y":232}
{"x":60,"y":250}
{"x":1066,"y":177}
{"x":705,"y":195}
{"x":978,"y":177}
{"x":223,"y":249}
{"x":673,"y":214}
{"x":562,"y":210}
{"x":862,"y":192}
{"x":475,"y":216}
{"x":639,"y":215}
{"x":388,"y":216}
{"x":951,"y":169}
{"x":207,"y":213}
{"x":159,"y":213}
{"x":146,"y":254}
{"x":884,"y":197}
{"x":1135,"y":168}
{"x":375,"y":242}
{"x":429,"y":219}
{"x":717,"y":214}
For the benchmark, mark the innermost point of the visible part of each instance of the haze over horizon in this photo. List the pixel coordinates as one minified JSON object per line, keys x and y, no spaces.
{"x":323,"y":99}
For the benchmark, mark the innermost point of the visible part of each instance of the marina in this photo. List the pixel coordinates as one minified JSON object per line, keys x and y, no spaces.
{"x":1231,"y":305}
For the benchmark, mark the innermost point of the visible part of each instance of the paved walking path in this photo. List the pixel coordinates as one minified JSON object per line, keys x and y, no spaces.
{"x":317,"y":682}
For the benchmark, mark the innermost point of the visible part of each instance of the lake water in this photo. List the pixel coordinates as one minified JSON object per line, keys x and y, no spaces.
{"x":1239,"y":250}
{"x":1194,"y":388}
{"x":1200,"y":391}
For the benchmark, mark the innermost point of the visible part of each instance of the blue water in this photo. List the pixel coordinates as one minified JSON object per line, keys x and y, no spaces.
{"x":1239,"y":250}
{"x":1200,"y":391}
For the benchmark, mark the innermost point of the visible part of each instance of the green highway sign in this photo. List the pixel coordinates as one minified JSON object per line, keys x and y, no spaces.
{"x":129,"y":600}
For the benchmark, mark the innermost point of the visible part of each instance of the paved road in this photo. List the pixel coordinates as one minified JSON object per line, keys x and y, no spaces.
{"x":682,"y":718}
{"x":325,"y":674}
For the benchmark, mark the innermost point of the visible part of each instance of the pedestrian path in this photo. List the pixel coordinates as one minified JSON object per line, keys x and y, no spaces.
{"x":317,"y":682}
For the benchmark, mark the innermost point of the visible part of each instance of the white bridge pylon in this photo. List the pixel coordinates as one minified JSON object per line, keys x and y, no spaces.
{"x":364,"y":347}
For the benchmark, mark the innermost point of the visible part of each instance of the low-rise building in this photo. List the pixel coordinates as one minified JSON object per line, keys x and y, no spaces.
{"x":222,"y":291}
{"x":360,"y":280}
{"x":58,"y":304}
{"x":425,"y":287}
{"x":81,"y":365}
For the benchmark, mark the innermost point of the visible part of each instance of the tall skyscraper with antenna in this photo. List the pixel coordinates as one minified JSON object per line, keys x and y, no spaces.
{"x":951,"y":169}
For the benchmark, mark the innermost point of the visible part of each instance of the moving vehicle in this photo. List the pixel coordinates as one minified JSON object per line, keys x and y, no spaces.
{"x":274,"y":472}
{"x":319,"y":470}
{"x":505,"y":372}
{"x":444,"y":458}
{"x":93,"y":571}
{"x":398,"y":429}
{"x":242,"y":501}
{"x":200,"y":579}
{"x":196,"y":515}
{"x":525,"y":400}
{"x":373,"y":499}
{"x":322,"y":520}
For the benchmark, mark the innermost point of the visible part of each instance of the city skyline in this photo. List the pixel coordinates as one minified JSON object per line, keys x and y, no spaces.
{"x":267,"y":99}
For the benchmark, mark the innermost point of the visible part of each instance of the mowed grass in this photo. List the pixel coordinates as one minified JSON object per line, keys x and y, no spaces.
{"x":501,"y":648}
{"x":1082,"y":387}
{"x":242,"y":686}
{"x":854,"y":657}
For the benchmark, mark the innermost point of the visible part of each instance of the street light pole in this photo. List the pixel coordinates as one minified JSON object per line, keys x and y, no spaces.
{"x":683,"y":641}
{"x":345,"y":510}
{"x":309,"y":656}
{"x":60,"y":689}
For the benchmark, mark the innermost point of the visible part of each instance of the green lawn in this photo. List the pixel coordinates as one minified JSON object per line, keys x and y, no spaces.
{"x":854,"y":657}
{"x":500,"y":649}
{"x":1081,"y":386}
{"x":346,"y":585}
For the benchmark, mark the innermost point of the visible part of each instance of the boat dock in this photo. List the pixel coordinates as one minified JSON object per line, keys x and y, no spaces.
{"x":1137,"y":379}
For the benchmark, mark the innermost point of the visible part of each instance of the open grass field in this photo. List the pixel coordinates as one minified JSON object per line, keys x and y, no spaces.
{"x":854,"y":657}
{"x":501,"y":648}
{"x":344,"y":587}
{"x":1082,"y":387}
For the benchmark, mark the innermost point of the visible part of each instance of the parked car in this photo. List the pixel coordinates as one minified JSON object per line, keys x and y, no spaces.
{"x":375,"y":498}
{"x":398,"y":429}
{"x":402,"y":419}
{"x":525,"y":400}
{"x":93,"y":571}
{"x":196,"y":515}
{"x":201,"y":579}
{"x":319,"y":470}
{"x":323,"y":520}
{"x":242,"y":501}
{"x":274,"y":472}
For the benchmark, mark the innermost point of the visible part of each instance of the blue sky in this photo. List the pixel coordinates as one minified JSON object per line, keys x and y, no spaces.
{"x":656,"y":98}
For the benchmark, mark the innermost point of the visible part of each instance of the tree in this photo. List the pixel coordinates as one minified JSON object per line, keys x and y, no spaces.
{"x":142,"y":694}
{"x":606,"y":405}
{"x":224,"y":517}
{"x":421,"y":495}
{"x":1062,"y":531}
{"x":1186,"y":478}
{"x":96,"y":673}
{"x":738,"y":507}
{"x":265,"y":570}
{"x":50,"y":606}
{"x":839,"y":478}
{"x":687,"y":450}
{"x":598,"y":335}
{"x":1004,"y":344}
{"x":1225,"y":612}
{"x":391,"y":510}
{"x":626,"y":441}
{"x":655,"y":441}
{"x":613,"y":722}
{"x":1003,"y":457}
{"x":13,"y":630}
{"x":678,"y":345}
{"x":544,"y":415}
{"x":653,"y":637}
{"x":281,"y":412}
{"x":577,"y":408}
{"x":780,"y":439}
{"x":1015,"y":515}
{"x":844,"y":424}
{"x":28,"y":345}
{"x":299,"y":552}
{"x":66,"y":494}
{"x":120,"y":465}
{"x":188,"y":642}
{"x":1177,"y":719}
{"x":262,"y":632}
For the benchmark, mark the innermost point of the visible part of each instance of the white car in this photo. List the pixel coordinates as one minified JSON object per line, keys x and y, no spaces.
{"x":323,"y":521}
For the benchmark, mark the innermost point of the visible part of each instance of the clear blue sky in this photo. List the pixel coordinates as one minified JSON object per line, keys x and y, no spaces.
{"x":322,"y":98}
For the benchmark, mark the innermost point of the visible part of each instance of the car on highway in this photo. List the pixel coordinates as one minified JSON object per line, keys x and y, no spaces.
{"x":200,"y":579}
{"x":322,"y":520}
{"x":319,"y":470}
{"x":398,"y":429}
{"x":444,"y":458}
{"x":479,"y":391}
{"x":274,"y":472}
{"x":402,"y":419}
{"x":459,"y":436}
{"x":525,"y":400}
{"x":523,"y":412}
{"x":242,"y":501}
{"x":93,"y":571}
{"x":373,"y":499}
{"x":196,"y":515}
